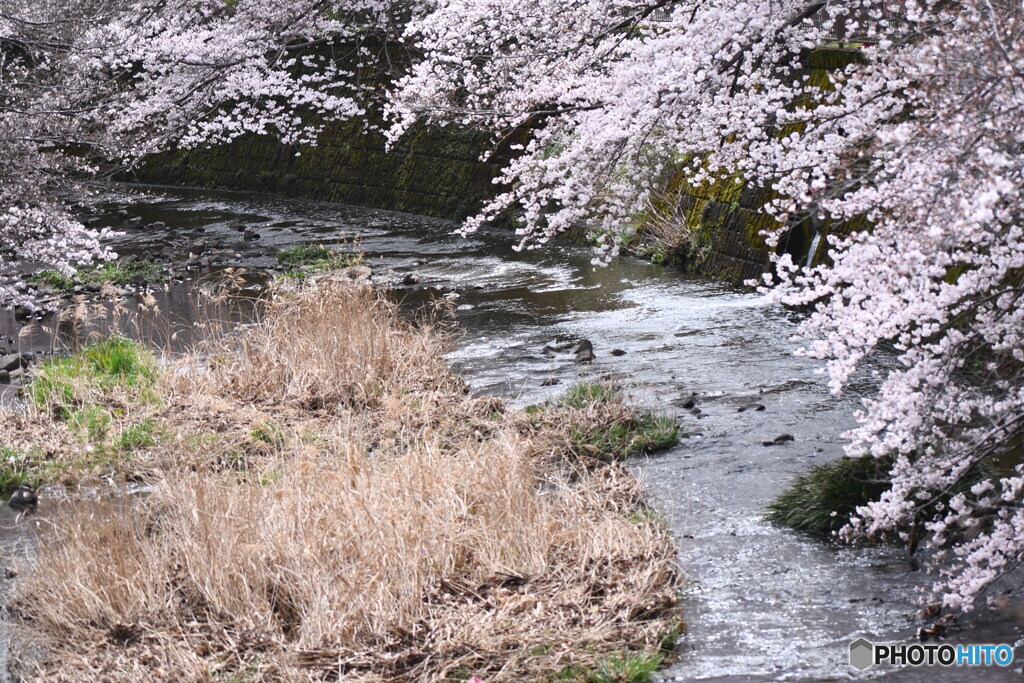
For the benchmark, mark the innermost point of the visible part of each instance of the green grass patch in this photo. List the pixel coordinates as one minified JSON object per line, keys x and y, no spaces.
{"x":14,"y":467}
{"x":94,"y":421}
{"x":110,"y":272}
{"x":608,"y":430}
{"x":144,"y":434}
{"x":32,"y":467}
{"x":586,"y":394}
{"x":64,"y":384}
{"x":624,"y":667}
{"x":624,"y":437}
{"x":655,"y":433}
{"x":302,"y":261}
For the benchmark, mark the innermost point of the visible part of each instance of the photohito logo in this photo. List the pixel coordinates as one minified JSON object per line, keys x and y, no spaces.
{"x":865,"y":654}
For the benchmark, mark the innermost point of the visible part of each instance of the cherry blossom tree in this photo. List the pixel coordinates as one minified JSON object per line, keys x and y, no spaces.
{"x":89,"y":84}
{"x":923,"y":135}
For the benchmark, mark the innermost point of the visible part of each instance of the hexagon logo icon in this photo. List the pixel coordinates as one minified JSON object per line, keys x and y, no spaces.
{"x":862,"y":654}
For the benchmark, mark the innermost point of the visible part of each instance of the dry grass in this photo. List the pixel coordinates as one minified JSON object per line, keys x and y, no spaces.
{"x":664,"y":233}
{"x":348,"y":348}
{"x":328,"y":502}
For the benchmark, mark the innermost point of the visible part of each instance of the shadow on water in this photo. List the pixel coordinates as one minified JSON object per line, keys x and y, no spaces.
{"x":764,"y":603}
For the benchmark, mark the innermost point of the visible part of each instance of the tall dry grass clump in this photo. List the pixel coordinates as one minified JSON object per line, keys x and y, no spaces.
{"x":328,"y":503}
{"x":327,"y":346}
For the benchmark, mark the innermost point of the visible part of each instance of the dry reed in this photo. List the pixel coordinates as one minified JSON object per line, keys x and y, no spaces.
{"x":329,"y":503}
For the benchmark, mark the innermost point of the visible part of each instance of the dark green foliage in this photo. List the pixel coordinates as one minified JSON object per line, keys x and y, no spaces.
{"x":822,"y":500}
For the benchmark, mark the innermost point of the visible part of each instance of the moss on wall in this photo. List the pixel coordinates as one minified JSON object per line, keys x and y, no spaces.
{"x":431,"y":171}
{"x":720,"y":223}
{"x":434,"y":171}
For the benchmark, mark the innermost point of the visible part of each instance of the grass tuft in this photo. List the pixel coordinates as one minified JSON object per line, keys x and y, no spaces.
{"x":141,"y":435}
{"x":13,"y":468}
{"x":611,"y":430}
{"x":822,"y":500}
{"x":624,"y":667}
{"x":64,"y":384}
{"x":109,"y":273}
{"x":302,"y":261}
{"x":586,"y":394}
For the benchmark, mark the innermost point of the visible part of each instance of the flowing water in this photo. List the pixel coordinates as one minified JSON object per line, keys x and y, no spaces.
{"x":763,"y":603}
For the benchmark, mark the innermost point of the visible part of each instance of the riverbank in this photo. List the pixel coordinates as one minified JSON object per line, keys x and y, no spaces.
{"x":326,"y":497}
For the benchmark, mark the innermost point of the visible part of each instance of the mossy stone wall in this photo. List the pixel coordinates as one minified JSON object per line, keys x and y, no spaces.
{"x":725,"y":217}
{"x":433,"y":171}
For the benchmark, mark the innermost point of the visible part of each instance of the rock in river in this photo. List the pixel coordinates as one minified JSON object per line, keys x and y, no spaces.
{"x":24,"y":499}
{"x":584,"y":351}
{"x":13,"y":361}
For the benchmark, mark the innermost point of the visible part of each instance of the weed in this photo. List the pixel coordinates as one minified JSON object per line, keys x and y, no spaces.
{"x":62,"y":384}
{"x":111,"y":272}
{"x":647,"y":515}
{"x":13,"y":465}
{"x":141,"y":435}
{"x":307,"y":260}
{"x":626,"y":667}
{"x":621,"y":438}
{"x":93,"y":420}
{"x":586,"y":394}
{"x":268,"y":433}
{"x":654,"y":433}
{"x":823,"y":499}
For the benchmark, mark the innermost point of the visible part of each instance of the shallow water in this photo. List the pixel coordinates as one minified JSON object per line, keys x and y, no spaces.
{"x":764,"y":603}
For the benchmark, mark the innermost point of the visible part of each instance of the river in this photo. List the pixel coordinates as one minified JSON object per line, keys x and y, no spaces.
{"x":763,"y":603}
